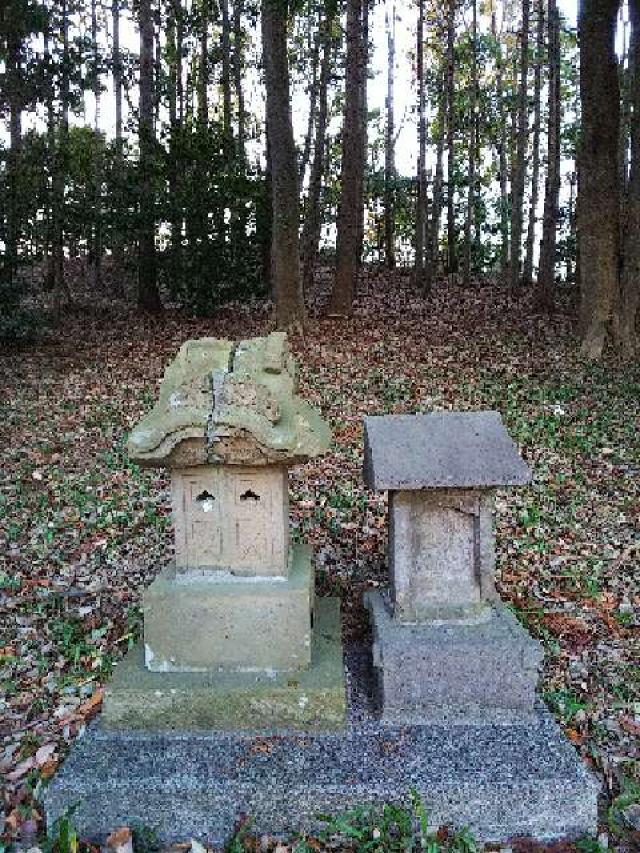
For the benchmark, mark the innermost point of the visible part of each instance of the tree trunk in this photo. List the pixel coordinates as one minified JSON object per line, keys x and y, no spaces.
{"x":502,"y":152}
{"x":285,"y":253}
{"x":390,"y":142}
{"x":421,"y":278}
{"x":624,"y":327}
{"x":546,"y":272}
{"x":472,"y":150}
{"x":520,"y":162}
{"x":350,"y":207}
{"x":148,"y":295}
{"x":61,"y":288}
{"x":313,"y":220}
{"x":96,"y":249}
{"x":226,"y":81}
{"x":237,"y":75}
{"x":203,"y":67}
{"x":433,"y":242}
{"x":50,"y":274}
{"x":364,"y":127}
{"x":535,"y":156}
{"x":313,"y":106}
{"x":599,"y":204}
{"x":452,"y":255}
{"x":118,"y":166}
{"x":14,"y":96}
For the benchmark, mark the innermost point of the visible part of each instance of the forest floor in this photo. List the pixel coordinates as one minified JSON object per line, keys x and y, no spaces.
{"x":83,"y":531}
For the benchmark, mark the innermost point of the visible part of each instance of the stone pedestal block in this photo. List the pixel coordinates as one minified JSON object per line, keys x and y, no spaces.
{"x":312,"y":699}
{"x":475,"y":670}
{"x":217,"y":622}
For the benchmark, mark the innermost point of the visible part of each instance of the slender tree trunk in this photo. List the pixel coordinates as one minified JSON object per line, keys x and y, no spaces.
{"x":364,"y":128}
{"x":285,"y":260}
{"x":227,"y":114}
{"x":452,"y":255}
{"x":502,"y":152}
{"x":313,"y":220}
{"x":599,"y":204}
{"x":176,"y":270}
{"x":61,"y":289}
{"x":148,"y":295}
{"x":118,"y":203}
{"x":390,"y":143}
{"x":520,"y":163}
{"x":237,"y":75}
{"x":421,"y":277}
{"x":624,"y":71}
{"x":433,"y":242}
{"x":97,"y":166}
{"x":535,"y":157}
{"x":473,"y":145}
{"x":350,"y":207}
{"x":624,"y":327}
{"x":546,"y":272}
{"x":313,"y":106}
{"x":203,"y":68}
{"x":49,"y":276}
{"x":15,"y":98}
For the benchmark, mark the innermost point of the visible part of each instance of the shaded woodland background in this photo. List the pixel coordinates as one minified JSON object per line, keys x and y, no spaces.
{"x":525,"y":169}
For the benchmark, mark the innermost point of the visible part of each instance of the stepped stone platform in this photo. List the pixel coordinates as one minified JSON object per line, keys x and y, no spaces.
{"x":502,"y":781}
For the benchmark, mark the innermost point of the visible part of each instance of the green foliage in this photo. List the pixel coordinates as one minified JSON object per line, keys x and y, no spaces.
{"x":63,"y":836}
{"x":392,"y":828}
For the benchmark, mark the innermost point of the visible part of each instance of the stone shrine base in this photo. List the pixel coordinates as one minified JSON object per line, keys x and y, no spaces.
{"x":501,"y":781}
{"x":309,"y":699}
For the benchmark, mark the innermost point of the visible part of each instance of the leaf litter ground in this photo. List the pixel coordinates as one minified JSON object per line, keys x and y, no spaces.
{"x":83,"y":531}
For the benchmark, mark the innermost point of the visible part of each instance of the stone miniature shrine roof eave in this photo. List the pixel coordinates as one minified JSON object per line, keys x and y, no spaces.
{"x":441,"y":450}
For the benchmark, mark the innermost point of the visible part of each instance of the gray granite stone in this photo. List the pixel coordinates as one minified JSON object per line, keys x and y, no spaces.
{"x":483,"y":670}
{"x":501,"y":781}
{"x":440,"y":450}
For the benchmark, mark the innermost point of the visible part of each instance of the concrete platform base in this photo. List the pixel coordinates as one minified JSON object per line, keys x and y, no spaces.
{"x":501,"y":781}
{"x":474,"y":671}
{"x":312,"y":699}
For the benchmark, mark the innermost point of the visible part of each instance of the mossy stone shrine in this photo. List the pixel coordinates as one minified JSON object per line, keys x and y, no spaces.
{"x":229,"y":625}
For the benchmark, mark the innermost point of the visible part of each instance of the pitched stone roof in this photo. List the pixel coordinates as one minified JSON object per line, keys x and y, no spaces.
{"x":222,"y":403}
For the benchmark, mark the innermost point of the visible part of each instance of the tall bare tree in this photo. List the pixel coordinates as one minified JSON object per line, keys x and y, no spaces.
{"x":238,"y":39}
{"x":535,"y":154}
{"x":285,"y":250}
{"x":390,"y":142}
{"x":519,"y":172}
{"x":420,"y":272}
{"x":452,"y":255}
{"x":546,"y":272}
{"x":472,"y":149}
{"x":349,"y":211}
{"x":599,"y":193}
{"x":312,"y":219}
{"x":626,"y":316}
{"x":148,"y":294}
{"x":96,"y":249}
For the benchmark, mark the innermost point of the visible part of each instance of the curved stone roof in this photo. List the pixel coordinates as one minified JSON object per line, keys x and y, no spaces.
{"x":222,"y":403}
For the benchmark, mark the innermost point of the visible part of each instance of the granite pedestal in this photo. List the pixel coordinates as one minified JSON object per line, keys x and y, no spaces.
{"x":514,"y":779}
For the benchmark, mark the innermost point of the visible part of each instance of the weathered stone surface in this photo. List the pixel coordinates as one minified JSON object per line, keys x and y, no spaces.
{"x":483,"y":671}
{"x":230,"y":405}
{"x":520,"y":779}
{"x":441,"y":553}
{"x":218,"y":622}
{"x":231,"y":518}
{"x":312,"y":699}
{"x":440,"y":450}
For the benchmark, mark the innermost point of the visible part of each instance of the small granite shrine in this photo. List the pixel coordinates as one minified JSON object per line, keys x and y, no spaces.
{"x":232,"y":618}
{"x":444,"y":644}
{"x":235,"y":702}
